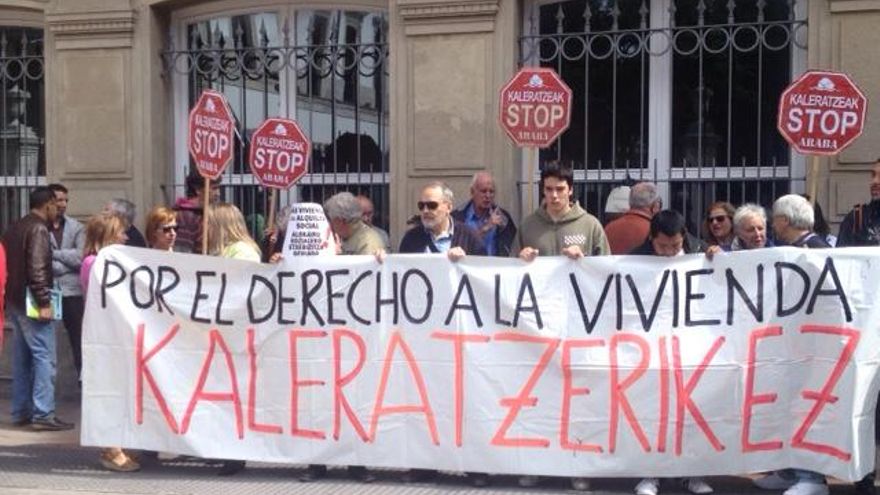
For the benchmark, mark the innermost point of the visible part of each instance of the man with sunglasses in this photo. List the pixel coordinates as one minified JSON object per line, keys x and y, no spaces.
{"x":438,"y":231}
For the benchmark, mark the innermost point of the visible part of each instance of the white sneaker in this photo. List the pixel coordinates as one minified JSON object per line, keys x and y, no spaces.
{"x":774,"y":481}
{"x":806,"y":488}
{"x":697,"y":486}
{"x":580,"y":484}
{"x":528,"y":481}
{"x":648,"y":486}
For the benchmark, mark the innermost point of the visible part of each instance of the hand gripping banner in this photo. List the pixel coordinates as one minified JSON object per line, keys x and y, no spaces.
{"x":607,"y":366}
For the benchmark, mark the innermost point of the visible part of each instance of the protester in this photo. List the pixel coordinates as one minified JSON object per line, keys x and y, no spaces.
{"x":29,"y":270}
{"x":189,"y":213}
{"x":861,"y":226}
{"x":750,"y":228}
{"x":68,"y":240}
{"x":559,"y":227}
{"x":102,"y":230}
{"x":438,"y":232}
{"x":368,"y":212}
{"x":820,"y":225}
{"x":343,"y":211}
{"x":493,"y":223}
{"x":126,"y":210}
{"x":718,"y":226}
{"x":669,"y":237}
{"x":273,"y":236}
{"x":617,"y":204}
{"x":228,"y":238}
{"x":631,"y":229}
{"x":793,"y":225}
{"x":161,"y":228}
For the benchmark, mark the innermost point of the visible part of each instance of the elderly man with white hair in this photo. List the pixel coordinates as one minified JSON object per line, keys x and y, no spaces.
{"x":793,"y":223}
{"x":345,"y":215}
{"x":793,"y":226}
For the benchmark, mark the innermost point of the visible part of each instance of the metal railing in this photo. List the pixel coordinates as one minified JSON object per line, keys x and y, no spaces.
{"x":682,"y":93}
{"x":328,"y":71}
{"x":22,"y":120}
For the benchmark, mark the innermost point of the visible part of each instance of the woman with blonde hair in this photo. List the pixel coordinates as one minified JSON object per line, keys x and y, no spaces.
{"x":102,"y":230}
{"x":161,"y":228}
{"x":228,"y":235}
{"x":228,"y":238}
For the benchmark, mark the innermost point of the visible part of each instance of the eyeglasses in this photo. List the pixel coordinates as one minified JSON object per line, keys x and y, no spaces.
{"x":169,"y":228}
{"x":431,"y":205}
{"x":717,"y":219}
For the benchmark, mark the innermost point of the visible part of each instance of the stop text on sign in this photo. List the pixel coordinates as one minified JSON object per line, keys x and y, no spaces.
{"x":210,"y":130}
{"x":821,"y":113}
{"x":279,"y":153}
{"x":535,"y":107}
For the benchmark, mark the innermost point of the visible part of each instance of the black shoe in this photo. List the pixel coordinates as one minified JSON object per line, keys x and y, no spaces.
{"x":361,"y":473}
{"x":230,"y":467}
{"x":478,"y":480}
{"x":50,"y":424}
{"x":418,"y":475}
{"x":865,"y":486}
{"x":313,"y":473}
{"x":21,"y":422}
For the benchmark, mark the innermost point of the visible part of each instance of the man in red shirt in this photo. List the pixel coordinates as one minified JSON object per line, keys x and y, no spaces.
{"x":631,"y":230}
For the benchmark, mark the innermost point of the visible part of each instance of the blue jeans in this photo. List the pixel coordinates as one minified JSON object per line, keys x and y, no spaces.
{"x":33,"y":367}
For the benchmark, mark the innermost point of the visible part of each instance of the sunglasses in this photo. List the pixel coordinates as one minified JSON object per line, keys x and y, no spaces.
{"x":717,"y":219}
{"x":169,"y":228}
{"x":430,"y":205}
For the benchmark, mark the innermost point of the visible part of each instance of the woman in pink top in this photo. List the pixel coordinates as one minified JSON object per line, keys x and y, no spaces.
{"x":103,"y":230}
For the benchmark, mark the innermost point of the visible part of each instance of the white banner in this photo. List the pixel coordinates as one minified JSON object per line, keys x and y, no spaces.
{"x":608,"y":366}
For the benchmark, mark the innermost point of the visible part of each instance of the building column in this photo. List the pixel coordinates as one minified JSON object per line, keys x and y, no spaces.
{"x":449,"y":58}
{"x":843,"y":37}
{"x":90,"y":132}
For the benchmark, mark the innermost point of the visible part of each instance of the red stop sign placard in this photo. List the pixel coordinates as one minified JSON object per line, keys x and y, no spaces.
{"x":279,"y":153}
{"x":211,"y":129}
{"x":535,"y":107}
{"x":821,"y":113}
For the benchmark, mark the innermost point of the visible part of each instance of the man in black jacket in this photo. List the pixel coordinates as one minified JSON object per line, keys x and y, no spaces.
{"x":668,"y":236}
{"x":493,"y":223}
{"x":438,"y":232}
{"x":861,"y":226}
{"x":29,"y":300}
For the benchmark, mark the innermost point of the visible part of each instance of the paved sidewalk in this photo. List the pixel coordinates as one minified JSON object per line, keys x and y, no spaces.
{"x":53,"y":463}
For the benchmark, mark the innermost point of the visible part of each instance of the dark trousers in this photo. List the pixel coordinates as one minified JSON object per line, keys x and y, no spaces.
{"x":72,"y":308}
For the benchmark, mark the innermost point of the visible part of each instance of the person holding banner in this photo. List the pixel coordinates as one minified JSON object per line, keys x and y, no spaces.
{"x":343,"y":210}
{"x":718,"y":226}
{"x":793,"y":220}
{"x":161,"y":228}
{"x":102,"y":230}
{"x":559,"y":226}
{"x":750,"y":227}
{"x":439,"y":232}
{"x":668,"y":236}
{"x":228,"y":238}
